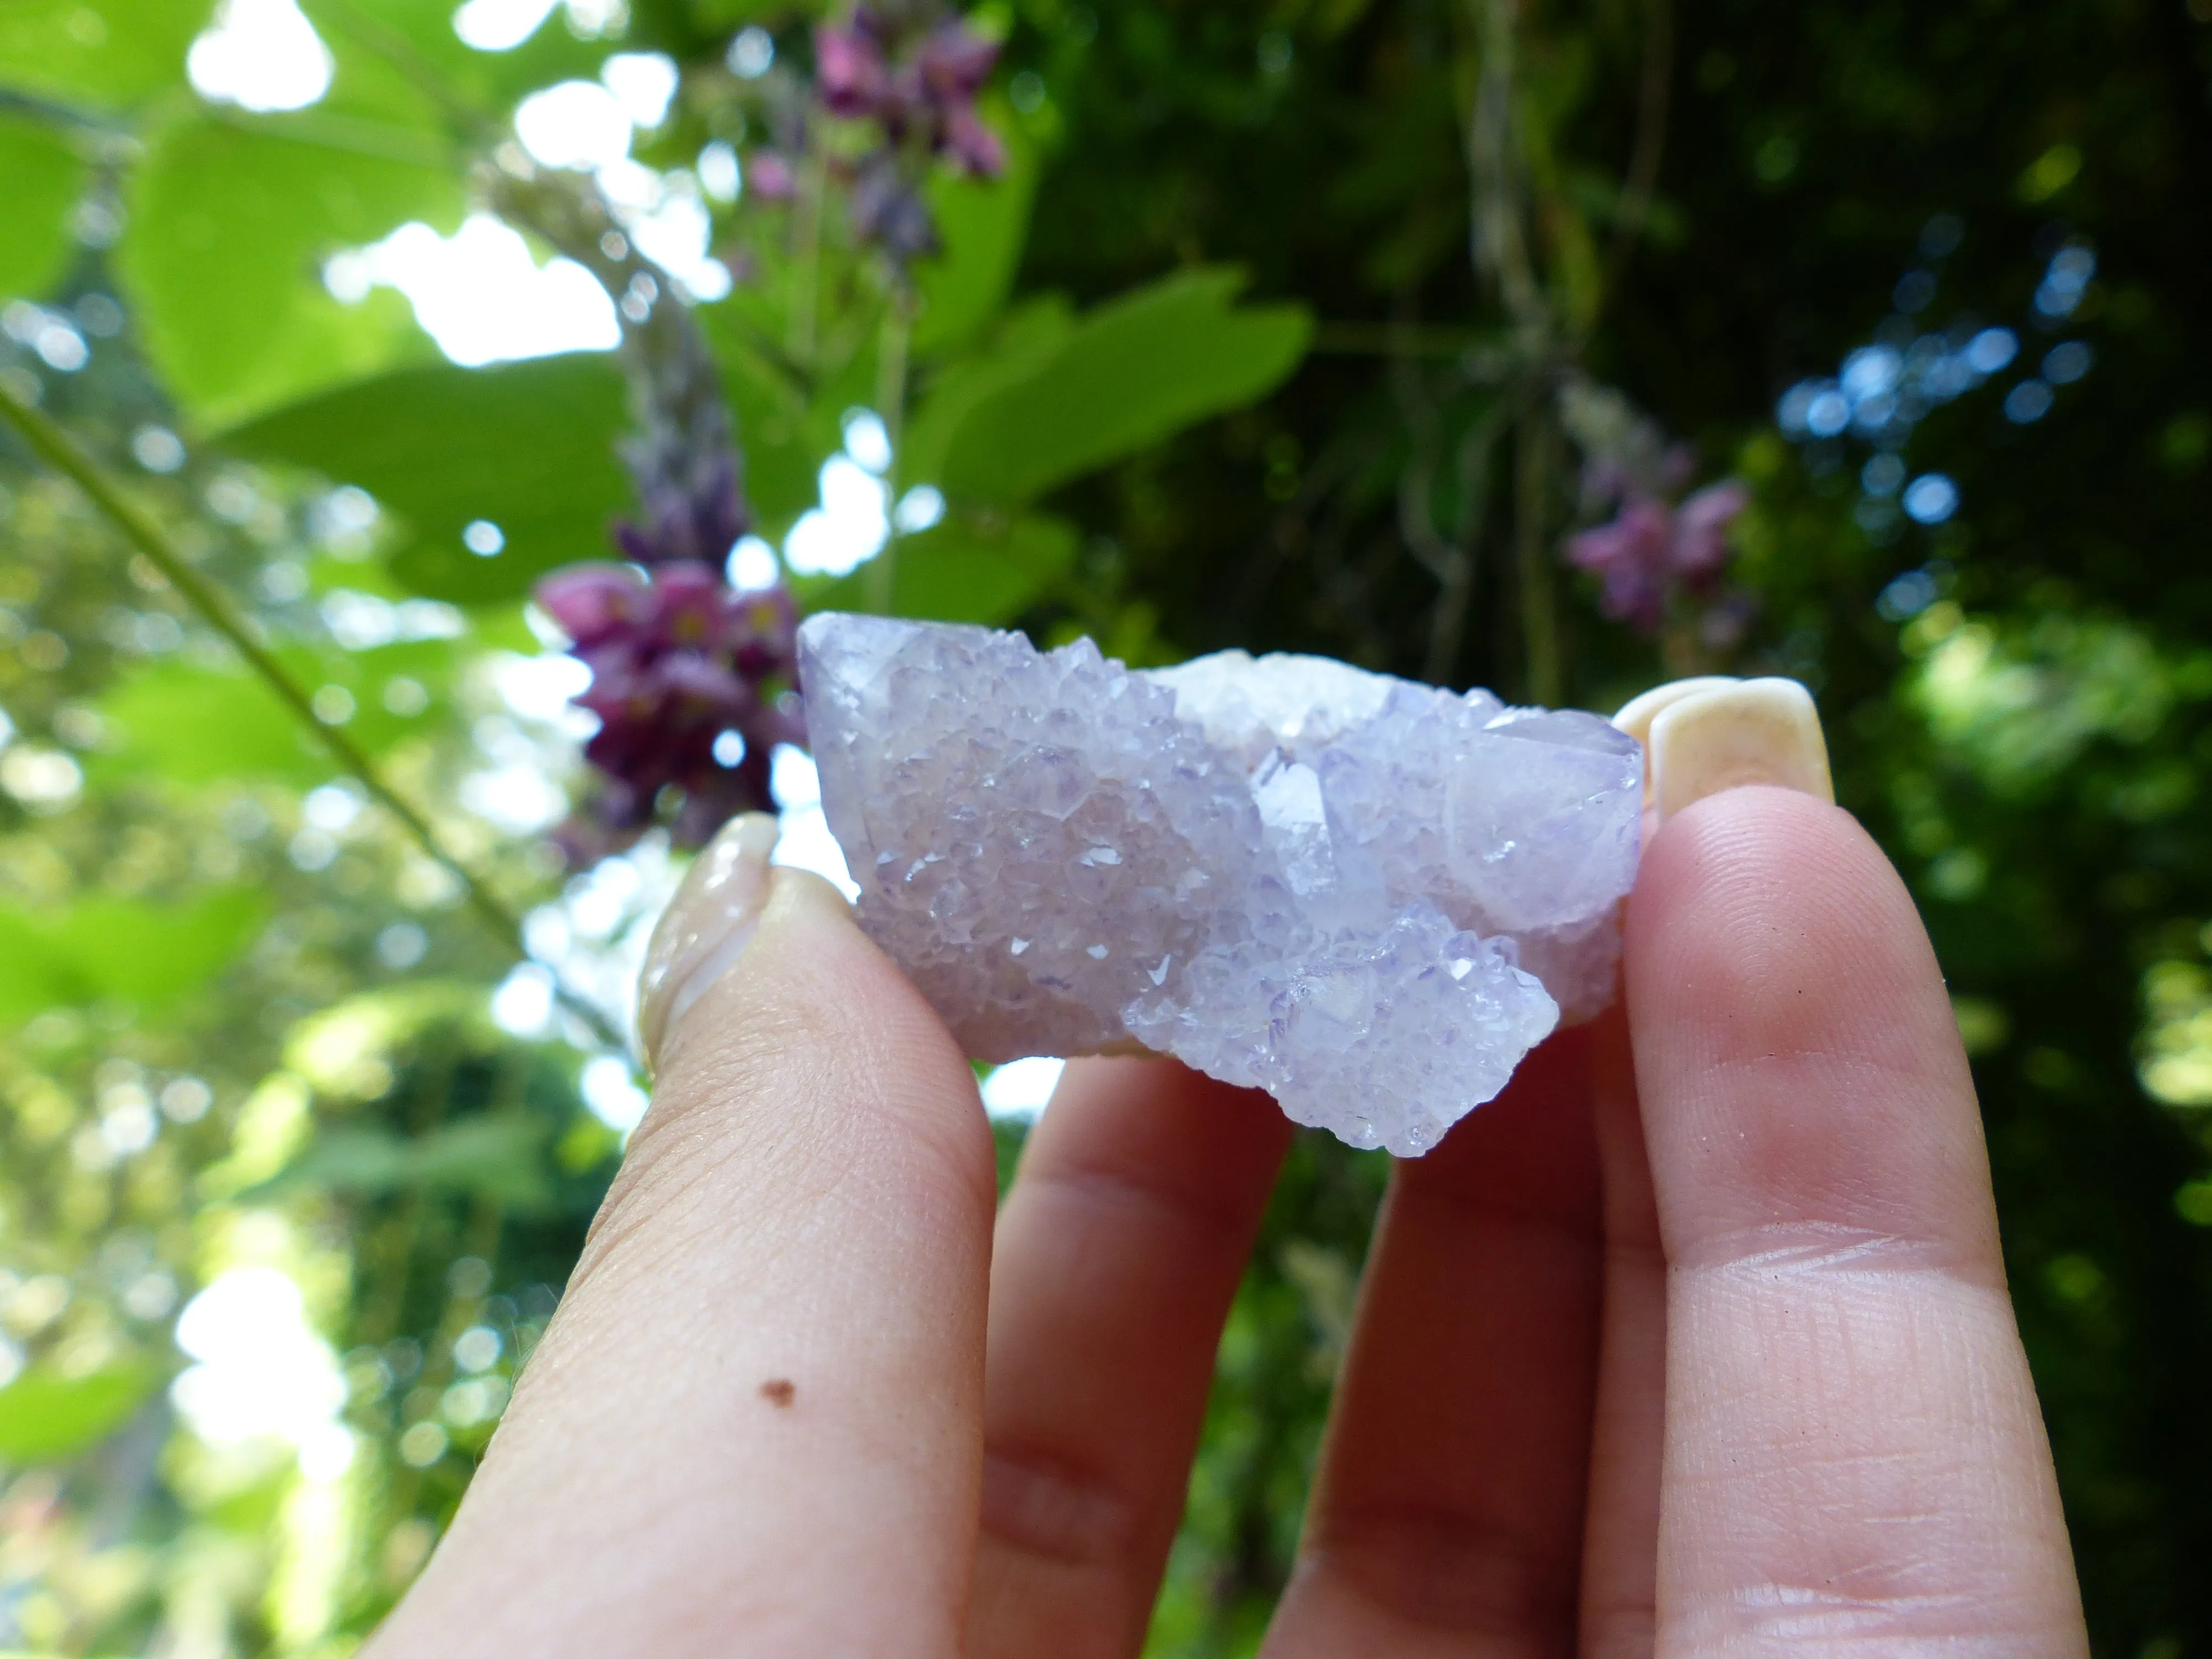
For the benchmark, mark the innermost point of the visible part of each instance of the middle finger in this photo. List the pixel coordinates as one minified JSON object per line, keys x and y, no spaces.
{"x":1117,"y":1254}
{"x":1447,"y":1516}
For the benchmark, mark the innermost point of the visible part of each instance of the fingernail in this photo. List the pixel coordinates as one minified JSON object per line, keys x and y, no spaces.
{"x":1722,"y":736}
{"x":1637,"y":714}
{"x":706,"y":927}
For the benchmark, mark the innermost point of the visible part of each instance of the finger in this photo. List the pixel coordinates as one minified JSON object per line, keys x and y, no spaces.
{"x":1447,"y":1515}
{"x":1854,"y":1452}
{"x":1620,"y":1534}
{"x":1118,"y":1250}
{"x":755,"y":1423}
{"x":1721,"y":733}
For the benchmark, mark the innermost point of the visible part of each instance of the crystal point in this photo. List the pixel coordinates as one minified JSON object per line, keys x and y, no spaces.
{"x":1369,"y":897}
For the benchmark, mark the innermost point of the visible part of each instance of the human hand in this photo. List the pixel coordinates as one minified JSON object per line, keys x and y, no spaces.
{"x":1695,"y":1340}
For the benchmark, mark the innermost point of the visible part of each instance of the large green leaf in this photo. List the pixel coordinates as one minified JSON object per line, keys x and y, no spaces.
{"x":1131,"y":374}
{"x":45,"y":176}
{"x":974,"y":567}
{"x":784,"y":437}
{"x":528,"y":446}
{"x":983,"y":223}
{"x":191,"y":723}
{"x":1024,"y":344}
{"x":231,"y":221}
{"x":126,"y":949}
{"x":497,"y":1157}
{"x":105,"y":53}
{"x":46,"y":1418}
{"x":419,"y":34}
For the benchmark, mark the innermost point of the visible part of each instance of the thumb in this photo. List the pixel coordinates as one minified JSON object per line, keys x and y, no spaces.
{"x":755,"y":1424}
{"x":1853,"y":1452}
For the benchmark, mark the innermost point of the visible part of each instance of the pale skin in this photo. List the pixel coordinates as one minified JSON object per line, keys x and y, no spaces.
{"x":1695,"y":1342}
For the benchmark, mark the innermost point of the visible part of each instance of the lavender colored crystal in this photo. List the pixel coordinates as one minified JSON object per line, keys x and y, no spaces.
{"x":1369,"y":897}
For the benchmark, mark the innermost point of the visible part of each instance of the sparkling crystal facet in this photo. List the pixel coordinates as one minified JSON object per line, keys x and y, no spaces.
{"x":1369,"y":897}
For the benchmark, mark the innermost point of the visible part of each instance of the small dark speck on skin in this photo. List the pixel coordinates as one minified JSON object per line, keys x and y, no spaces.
{"x":778,"y":1391}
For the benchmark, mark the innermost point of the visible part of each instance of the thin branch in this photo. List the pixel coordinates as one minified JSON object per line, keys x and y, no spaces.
{"x":879,"y":577}
{"x":1447,"y":622}
{"x":1540,"y":620}
{"x":59,"y":451}
{"x":345,"y":135}
{"x":1650,"y":147}
{"x":1500,"y":242}
{"x":807,"y":259}
{"x":111,"y":129}
{"x":1416,"y":519}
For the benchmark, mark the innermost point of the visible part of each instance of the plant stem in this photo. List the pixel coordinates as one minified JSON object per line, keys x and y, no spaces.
{"x":891,"y":393}
{"x":1539,"y":621}
{"x":1494,"y":167}
{"x":59,"y":451}
{"x":1642,"y":179}
{"x":807,"y":259}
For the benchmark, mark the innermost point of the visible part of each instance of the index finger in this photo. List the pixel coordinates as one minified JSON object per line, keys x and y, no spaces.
{"x":755,"y":1424}
{"x":1853,"y":1453}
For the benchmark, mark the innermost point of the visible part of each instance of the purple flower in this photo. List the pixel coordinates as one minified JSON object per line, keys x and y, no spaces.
{"x":1652,"y":550}
{"x":772,"y":177}
{"x":973,"y":145}
{"x":679,"y":663}
{"x":955,"y":62}
{"x":1628,"y":557}
{"x":888,"y":209}
{"x":1701,"y":528}
{"x":698,"y":525}
{"x":851,"y":76}
{"x":912,"y":68}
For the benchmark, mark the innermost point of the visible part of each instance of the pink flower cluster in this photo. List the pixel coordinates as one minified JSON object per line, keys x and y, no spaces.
{"x":917,"y":74}
{"x":913,"y":68}
{"x":684,"y":671}
{"x":1653,"y":549}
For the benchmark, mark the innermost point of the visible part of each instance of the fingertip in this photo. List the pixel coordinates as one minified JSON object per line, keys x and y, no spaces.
{"x":803,"y":959}
{"x":1749,"y":892}
{"x":812,"y":1046}
{"x":1795,"y":1047}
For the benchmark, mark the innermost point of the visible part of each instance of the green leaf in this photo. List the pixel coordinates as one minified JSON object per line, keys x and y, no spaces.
{"x":496,"y":1157}
{"x":787,"y":428}
{"x":128,"y":949}
{"x":973,"y":567}
{"x":785,"y":438}
{"x":191,"y":723}
{"x":46,"y":1418}
{"x":983,"y":223}
{"x":44,"y":177}
{"x":231,"y":220}
{"x":714,"y":16}
{"x":528,"y":446}
{"x":1131,"y":374}
{"x":194,"y":724}
{"x":416,"y":40}
{"x":1024,"y":344}
{"x":108,"y":54}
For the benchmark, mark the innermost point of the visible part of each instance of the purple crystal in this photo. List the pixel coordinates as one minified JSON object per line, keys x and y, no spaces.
{"x":1369,"y":897}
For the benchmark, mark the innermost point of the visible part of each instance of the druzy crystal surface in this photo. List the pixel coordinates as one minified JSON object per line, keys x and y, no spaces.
{"x":1369,"y":897}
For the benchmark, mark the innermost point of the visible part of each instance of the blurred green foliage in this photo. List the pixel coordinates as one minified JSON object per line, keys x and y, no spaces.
{"x":1232,"y":357}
